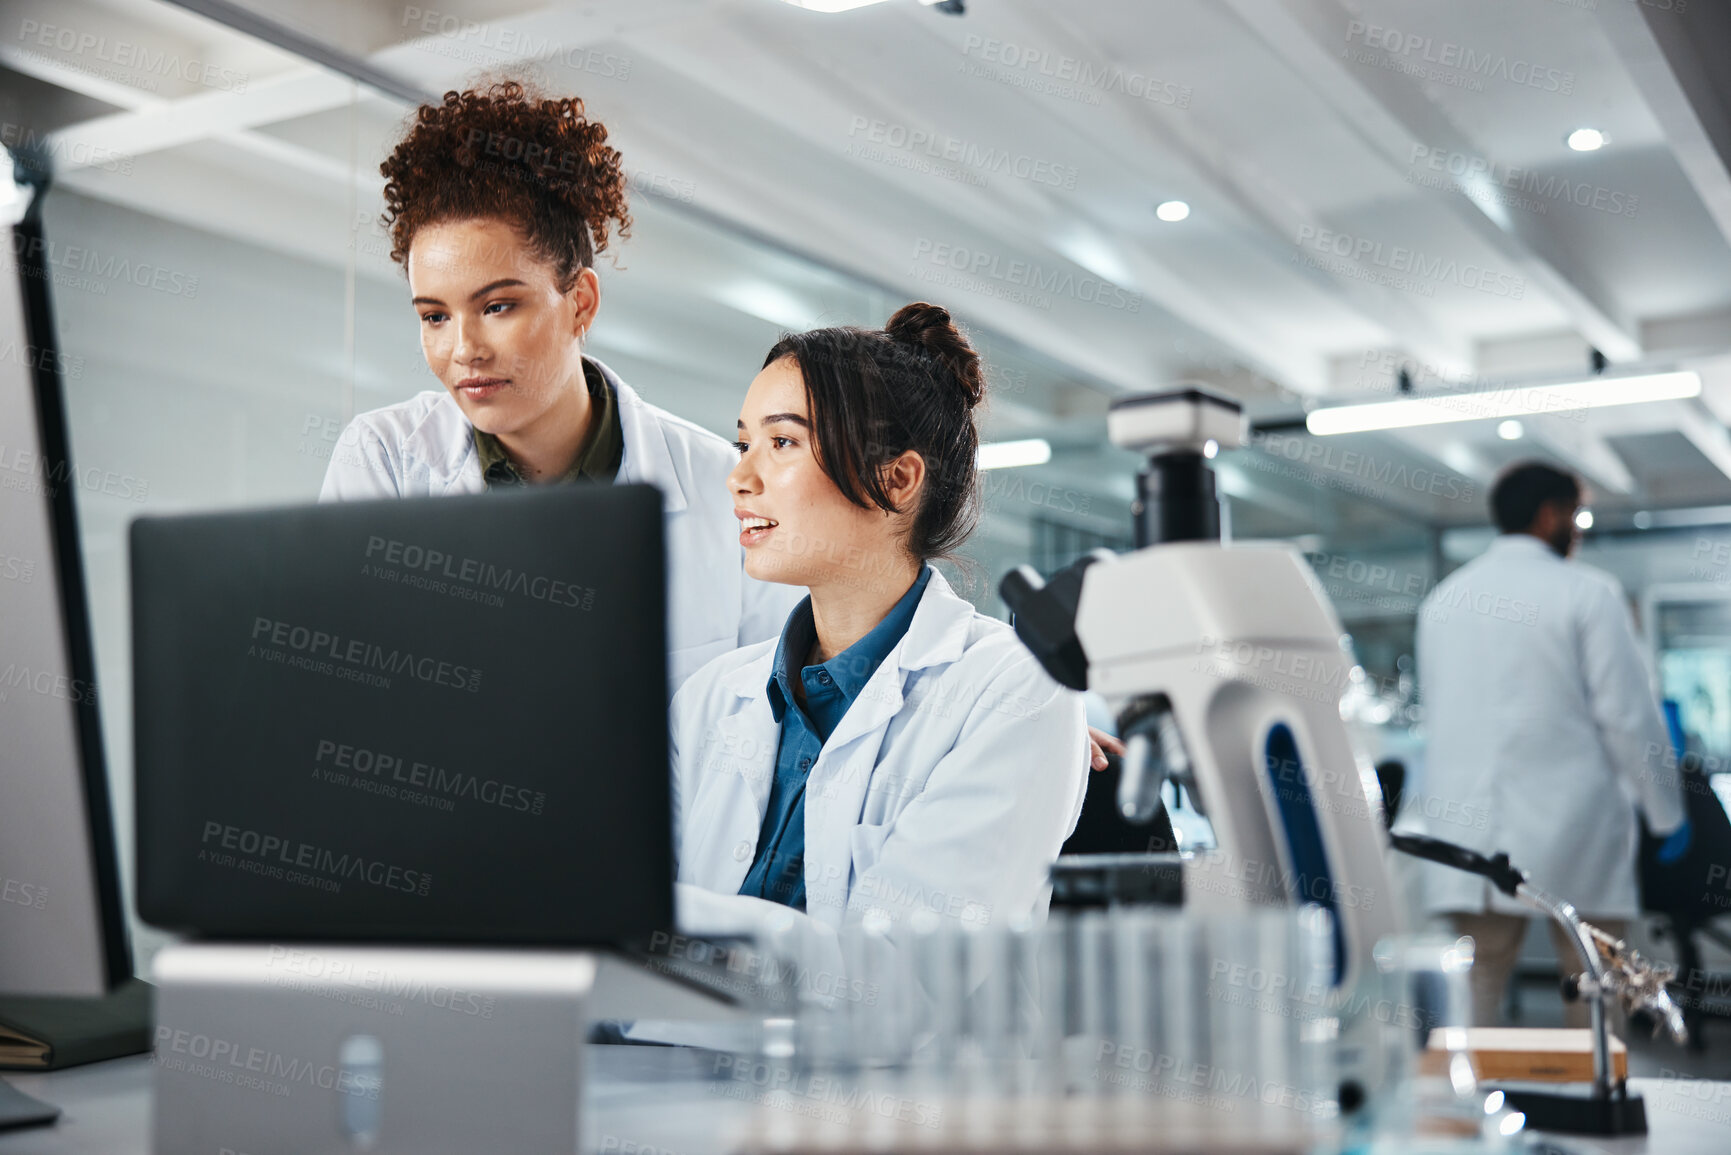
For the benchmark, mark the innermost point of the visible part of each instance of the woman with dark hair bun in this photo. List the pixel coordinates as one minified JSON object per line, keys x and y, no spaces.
{"x":894,"y":751}
{"x":498,"y":202}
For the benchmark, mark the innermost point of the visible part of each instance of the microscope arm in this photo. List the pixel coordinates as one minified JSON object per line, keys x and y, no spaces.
{"x":1502,"y":875}
{"x":1613,"y":968}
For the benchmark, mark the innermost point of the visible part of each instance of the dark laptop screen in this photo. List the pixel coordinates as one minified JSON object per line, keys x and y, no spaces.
{"x":435,"y":720}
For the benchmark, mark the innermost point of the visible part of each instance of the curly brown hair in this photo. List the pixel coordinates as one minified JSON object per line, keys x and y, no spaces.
{"x":505,"y":153}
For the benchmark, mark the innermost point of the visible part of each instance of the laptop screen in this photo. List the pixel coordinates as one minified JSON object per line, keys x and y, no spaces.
{"x":439,"y":720}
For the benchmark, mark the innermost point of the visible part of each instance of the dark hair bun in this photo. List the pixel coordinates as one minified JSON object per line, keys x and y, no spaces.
{"x":929,"y":327}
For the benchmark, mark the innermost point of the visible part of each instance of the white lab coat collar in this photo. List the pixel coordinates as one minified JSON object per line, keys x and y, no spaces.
{"x":450,"y":461}
{"x":645,"y":459}
{"x":838,"y":780}
{"x":1522,"y":542}
{"x":938,"y":633}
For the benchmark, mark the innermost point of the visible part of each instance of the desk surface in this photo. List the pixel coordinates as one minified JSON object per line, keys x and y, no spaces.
{"x":657,"y":1097}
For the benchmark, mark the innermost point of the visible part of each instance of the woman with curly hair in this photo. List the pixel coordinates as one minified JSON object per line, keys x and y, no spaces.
{"x":498,"y":203}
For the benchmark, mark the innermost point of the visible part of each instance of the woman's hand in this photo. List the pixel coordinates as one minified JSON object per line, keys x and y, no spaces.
{"x":1100,"y":744}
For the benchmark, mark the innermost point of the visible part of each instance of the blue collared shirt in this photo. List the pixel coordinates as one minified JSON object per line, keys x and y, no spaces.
{"x":778,"y":871}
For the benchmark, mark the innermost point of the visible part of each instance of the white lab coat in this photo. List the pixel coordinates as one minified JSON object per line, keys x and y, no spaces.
{"x":1543,"y":731}
{"x":949,"y":785}
{"x":425,"y":447}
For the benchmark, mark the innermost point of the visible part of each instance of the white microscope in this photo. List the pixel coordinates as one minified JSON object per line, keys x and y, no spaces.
{"x":1223,"y":665}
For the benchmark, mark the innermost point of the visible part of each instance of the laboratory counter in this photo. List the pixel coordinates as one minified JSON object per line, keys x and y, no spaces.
{"x":670,"y":1099}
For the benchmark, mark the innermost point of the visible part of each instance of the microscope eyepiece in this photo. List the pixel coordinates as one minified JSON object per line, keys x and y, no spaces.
{"x":1175,"y":495}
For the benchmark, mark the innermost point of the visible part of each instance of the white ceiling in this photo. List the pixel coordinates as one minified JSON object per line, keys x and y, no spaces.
{"x":1296,"y":130}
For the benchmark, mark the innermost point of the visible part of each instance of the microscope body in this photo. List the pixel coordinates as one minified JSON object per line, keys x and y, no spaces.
{"x":1234,"y":653}
{"x":1223,"y":665}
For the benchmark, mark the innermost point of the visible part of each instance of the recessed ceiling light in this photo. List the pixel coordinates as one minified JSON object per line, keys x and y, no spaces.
{"x":1584,"y":519}
{"x":1172,"y":210}
{"x":1510,"y":430}
{"x":1587,"y":140}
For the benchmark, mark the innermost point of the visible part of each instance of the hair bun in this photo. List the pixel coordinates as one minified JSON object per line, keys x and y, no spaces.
{"x":929,"y":328}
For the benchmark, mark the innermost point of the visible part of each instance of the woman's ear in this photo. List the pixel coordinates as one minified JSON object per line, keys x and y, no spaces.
{"x":585,"y":301}
{"x":903,"y":479}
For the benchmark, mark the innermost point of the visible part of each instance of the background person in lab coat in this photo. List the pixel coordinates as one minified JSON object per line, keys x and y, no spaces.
{"x":1543,"y":732}
{"x":498,"y":203}
{"x":893,"y":752}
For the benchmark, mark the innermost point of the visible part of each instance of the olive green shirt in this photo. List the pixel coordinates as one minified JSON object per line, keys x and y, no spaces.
{"x":597,"y":460}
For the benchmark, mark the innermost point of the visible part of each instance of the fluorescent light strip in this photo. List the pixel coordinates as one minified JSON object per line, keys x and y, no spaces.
{"x":1513,"y":401}
{"x":1014,"y":454}
{"x":1685,"y":518}
{"x":832,"y":5}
